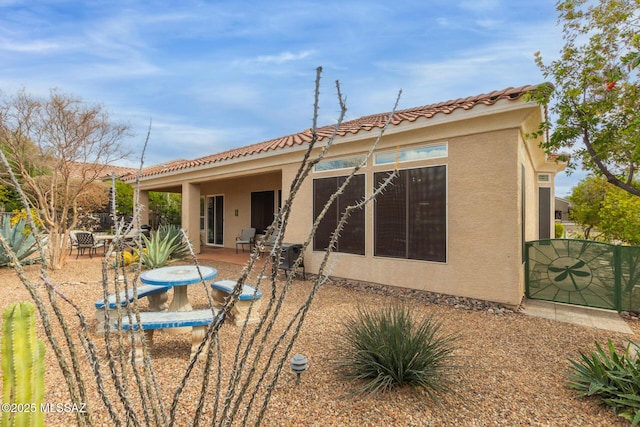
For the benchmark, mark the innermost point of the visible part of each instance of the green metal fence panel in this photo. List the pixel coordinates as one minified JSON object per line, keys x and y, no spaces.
{"x":629,"y":278}
{"x":582,"y":272}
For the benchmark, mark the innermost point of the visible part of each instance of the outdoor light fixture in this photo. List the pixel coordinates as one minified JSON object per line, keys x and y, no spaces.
{"x":298,"y":366}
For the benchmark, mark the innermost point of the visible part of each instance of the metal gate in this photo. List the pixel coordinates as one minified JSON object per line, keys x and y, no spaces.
{"x":583,"y":272}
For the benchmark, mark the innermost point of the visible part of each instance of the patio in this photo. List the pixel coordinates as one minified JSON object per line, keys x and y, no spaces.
{"x":227,"y":255}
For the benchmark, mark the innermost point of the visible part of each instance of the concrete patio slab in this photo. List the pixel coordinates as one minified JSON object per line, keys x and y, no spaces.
{"x":585,"y":316}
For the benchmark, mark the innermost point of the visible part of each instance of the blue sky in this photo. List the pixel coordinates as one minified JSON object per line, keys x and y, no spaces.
{"x":214,"y":75}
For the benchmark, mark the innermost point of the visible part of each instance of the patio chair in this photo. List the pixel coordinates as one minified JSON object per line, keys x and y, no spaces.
{"x":86,"y":241}
{"x":246,"y":237}
{"x":73,"y":242}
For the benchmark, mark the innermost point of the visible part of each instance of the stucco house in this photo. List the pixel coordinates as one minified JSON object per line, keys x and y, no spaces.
{"x":472,"y":188}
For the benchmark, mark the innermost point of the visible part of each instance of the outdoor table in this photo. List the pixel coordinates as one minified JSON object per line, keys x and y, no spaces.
{"x":178,"y":277}
{"x":108,"y":238}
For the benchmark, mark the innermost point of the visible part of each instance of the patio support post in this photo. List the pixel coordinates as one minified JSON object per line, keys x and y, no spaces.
{"x":191,"y":213}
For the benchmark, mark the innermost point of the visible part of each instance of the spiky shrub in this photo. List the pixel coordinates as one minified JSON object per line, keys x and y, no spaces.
{"x":22,"y":366}
{"x":165,"y":244}
{"x":388,"y":348}
{"x":22,"y":243}
{"x":610,"y":376}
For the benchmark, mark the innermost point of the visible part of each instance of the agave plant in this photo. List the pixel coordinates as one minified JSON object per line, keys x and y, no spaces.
{"x":611,"y":376}
{"x":21,"y":241}
{"x":164,"y":245}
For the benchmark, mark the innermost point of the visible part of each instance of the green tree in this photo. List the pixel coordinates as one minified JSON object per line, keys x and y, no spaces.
{"x":596,"y":93}
{"x":599,"y":205}
{"x":586,"y":199}
{"x":124,"y":198}
{"x":167,"y":206}
{"x":620,"y":217}
{"x":58,"y":148}
{"x":9,"y":199}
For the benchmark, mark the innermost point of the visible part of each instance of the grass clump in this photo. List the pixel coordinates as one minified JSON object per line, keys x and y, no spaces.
{"x":610,"y":376}
{"x":389,"y":348}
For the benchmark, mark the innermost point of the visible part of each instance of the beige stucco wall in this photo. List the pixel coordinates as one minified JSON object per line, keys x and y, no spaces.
{"x":483,"y":248}
{"x":237,"y":197}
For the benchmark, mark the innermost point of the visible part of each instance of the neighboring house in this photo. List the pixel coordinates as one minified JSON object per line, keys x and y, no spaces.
{"x":563,"y":210}
{"x":563,"y":207}
{"x":472,"y":188}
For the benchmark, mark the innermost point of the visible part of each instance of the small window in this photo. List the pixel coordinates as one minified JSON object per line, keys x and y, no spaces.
{"x":544,"y":177}
{"x":436,"y":151}
{"x":328,"y":165}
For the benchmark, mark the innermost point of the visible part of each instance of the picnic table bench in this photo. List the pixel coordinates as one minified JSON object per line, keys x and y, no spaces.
{"x":198,"y":320}
{"x":250,"y":295}
{"x":157,"y":301}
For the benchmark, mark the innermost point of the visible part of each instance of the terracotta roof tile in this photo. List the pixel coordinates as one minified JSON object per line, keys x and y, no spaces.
{"x":365,"y":123}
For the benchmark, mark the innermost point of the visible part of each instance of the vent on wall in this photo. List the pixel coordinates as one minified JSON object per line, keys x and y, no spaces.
{"x":544,"y":177}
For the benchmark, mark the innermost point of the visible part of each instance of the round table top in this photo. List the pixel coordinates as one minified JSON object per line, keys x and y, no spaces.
{"x":177,"y":275}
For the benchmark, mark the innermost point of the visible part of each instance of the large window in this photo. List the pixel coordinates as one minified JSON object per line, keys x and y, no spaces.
{"x":410,"y":217}
{"x":352,"y":237}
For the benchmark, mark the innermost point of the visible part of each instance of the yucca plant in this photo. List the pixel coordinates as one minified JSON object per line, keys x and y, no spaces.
{"x":388,"y":348}
{"x":22,"y":242}
{"x":164,"y":245}
{"x":612,"y":377}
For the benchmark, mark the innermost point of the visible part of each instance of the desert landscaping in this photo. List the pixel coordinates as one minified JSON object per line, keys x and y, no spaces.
{"x":511,"y":368}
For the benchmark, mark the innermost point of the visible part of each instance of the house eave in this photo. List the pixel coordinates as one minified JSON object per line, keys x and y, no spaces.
{"x":478,"y":111}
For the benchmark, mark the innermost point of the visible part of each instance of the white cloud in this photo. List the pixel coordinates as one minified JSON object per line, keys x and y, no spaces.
{"x":32,"y":46}
{"x":283,"y":57}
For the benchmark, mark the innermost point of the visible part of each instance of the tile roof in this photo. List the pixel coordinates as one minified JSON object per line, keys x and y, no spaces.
{"x":77,"y":169}
{"x":365,"y":123}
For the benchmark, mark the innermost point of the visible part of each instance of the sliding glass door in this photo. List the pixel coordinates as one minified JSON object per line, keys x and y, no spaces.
{"x":215,"y":220}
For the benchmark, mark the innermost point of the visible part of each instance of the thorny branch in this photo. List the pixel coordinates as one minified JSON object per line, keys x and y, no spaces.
{"x":257,"y":363}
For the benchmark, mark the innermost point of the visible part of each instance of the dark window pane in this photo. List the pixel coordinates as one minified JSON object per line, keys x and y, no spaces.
{"x":390,"y":229}
{"x":322,"y":190}
{"x":219,"y":226}
{"x":352,"y":238}
{"x":410,"y":218}
{"x":427,"y":232}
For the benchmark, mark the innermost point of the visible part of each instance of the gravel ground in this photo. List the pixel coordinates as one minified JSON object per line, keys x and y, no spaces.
{"x":512,"y":367}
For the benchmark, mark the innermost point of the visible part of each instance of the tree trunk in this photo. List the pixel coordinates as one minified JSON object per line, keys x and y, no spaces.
{"x":57,"y":248}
